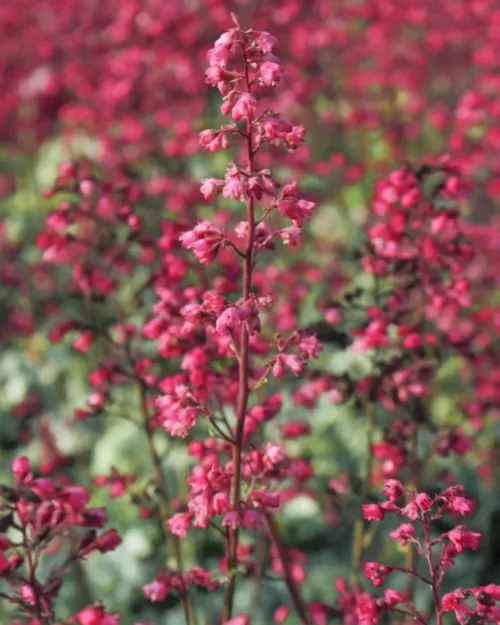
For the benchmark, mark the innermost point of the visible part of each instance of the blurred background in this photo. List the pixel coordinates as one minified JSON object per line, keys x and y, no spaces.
{"x":119,"y":85}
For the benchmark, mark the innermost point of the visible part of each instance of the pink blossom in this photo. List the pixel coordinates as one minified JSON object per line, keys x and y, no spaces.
{"x":157,"y":590}
{"x":376,"y":572}
{"x":245,"y":107}
{"x":210,"y":187}
{"x":270,"y":73}
{"x":21,"y":469}
{"x":275,"y":453}
{"x":228,"y":320}
{"x":180,"y":524}
{"x":231,"y":519}
{"x":372,"y":512}
{"x":463,"y":539}
{"x":240,"y":619}
{"x":404,"y":533}
{"x":204,"y":240}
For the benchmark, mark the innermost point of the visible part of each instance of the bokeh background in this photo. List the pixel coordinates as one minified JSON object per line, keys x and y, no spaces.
{"x":120,"y":84}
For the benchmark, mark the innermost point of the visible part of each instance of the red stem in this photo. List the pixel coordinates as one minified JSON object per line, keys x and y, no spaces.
{"x":243,"y":375}
{"x":293,"y":589}
{"x":32,"y":565}
{"x":243,"y":394}
{"x":430,"y":561}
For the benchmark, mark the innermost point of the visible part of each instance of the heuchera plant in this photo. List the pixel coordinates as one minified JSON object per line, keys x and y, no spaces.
{"x":240,"y":492}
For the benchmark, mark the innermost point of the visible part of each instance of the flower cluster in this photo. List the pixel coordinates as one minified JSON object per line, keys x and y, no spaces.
{"x":38,"y":513}
{"x":421,"y":514}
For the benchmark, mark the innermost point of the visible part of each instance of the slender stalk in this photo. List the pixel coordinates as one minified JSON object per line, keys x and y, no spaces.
{"x":82,"y":583}
{"x":298,"y":602}
{"x":260,"y":565}
{"x":432,"y":570}
{"x":164,"y":506}
{"x":38,"y":610}
{"x":243,"y":375}
{"x":357,"y":548}
{"x":414,"y":483}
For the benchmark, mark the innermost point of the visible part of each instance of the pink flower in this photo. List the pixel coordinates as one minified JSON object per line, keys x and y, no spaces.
{"x":228,"y":320}
{"x":393,"y":597}
{"x":411,"y":510}
{"x":295,"y":429}
{"x":175,"y":418}
{"x":240,"y":619}
{"x":21,"y":469}
{"x":270,"y":73}
{"x":210,"y":187}
{"x":376,"y":572}
{"x":493,"y":590}
{"x":372,"y":512}
{"x":451,"y":600}
{"x":295,"y":209}
{"x":290,"y":235}
{"x":107,"y":541}
{"x":460,"y":506}
{"x":157,"y":590}
{"x":367,"y":610}
{"x":211,"y":140}
{"x":336,"y":396}
{"x":220,"y":502}
{"x":275,"y":453}
{"x":273,"y":127}
{"x":265,"y":41}
{"x":231,"y":519}
{"x":217,"y":74}
{"x":281,"y":614}
{"x":204,"y":240}
{"x":394,"y":490}
{"x":95,"y":615}
{"x":412,"y":341}
{"x":83,"y":342}
{"x":294,"y":139}
{"x":265,"y":498}
{"x":251,"y":519}
{"x":218,"y":56}
{"x":319,"y":612}
{"x":404,"y":533}
{"x":245,"y":107}
{"x":91,"y":615}
{"x":284,"y":362}
{"x":236,"y":185}
{"x":463,"y":539}
{"x":423,"y":501}
{"x":310,"y":346}
{"x":28,"y":594}
{"x":180,"y":524}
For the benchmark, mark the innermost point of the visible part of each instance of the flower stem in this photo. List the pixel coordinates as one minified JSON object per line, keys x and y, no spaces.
{"x":243,"y":376}
{"x":357,"y":548}
{"x":293,"y":589}
{"x":164,"y":507}
{"x":414,"y":483}
{"x":432,"y":570}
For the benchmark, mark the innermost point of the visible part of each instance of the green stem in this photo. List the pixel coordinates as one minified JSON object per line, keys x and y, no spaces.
{"x":357,"y":548}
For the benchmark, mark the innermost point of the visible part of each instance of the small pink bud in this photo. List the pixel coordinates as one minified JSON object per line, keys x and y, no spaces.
{"x":21,"y":469}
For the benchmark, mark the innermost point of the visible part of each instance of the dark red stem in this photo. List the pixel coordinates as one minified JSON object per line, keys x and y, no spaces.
{"x":243,"y":375}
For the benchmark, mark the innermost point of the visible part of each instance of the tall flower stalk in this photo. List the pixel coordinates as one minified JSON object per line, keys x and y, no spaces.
{"x":243,"y":68}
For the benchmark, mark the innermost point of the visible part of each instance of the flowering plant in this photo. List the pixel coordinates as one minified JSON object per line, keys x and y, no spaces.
{"x":228,"y":338}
